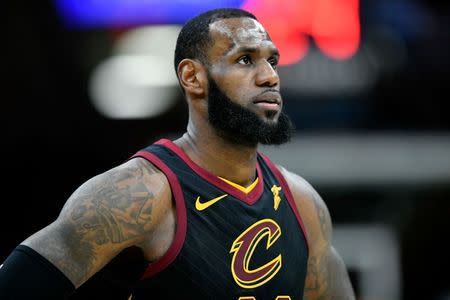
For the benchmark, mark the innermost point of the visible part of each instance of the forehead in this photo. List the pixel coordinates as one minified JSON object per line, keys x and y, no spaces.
{"x":235,"y":32}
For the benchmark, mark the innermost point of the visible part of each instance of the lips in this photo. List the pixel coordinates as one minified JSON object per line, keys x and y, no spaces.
{"x":270,"y":100}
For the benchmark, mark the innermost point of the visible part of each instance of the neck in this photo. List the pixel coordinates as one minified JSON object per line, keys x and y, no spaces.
{"x":218,"y":156}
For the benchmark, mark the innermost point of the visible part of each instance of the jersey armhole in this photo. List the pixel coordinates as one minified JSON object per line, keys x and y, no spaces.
{"x":181,"y":216}
{"x":288,"y":194}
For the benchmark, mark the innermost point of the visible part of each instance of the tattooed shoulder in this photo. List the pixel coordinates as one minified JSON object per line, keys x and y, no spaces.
{"x":118,"y":204}
{"x":106,"y":214}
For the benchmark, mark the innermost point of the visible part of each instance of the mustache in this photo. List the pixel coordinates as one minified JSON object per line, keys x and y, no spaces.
{"x":269,"y":91}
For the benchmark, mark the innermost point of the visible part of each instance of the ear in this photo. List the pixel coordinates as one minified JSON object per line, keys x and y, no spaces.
{"x":192,"y":76}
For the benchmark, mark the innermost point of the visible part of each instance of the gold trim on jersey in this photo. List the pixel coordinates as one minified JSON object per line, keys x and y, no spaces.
{"x":240,"y":187}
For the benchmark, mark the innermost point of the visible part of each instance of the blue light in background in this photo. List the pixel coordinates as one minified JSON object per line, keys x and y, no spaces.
{"x":119,"y":13}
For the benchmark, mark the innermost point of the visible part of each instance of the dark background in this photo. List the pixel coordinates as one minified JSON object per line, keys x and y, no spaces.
{"x":53,"y":139}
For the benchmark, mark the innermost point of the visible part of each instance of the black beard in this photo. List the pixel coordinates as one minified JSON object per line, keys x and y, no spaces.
{"x":241,"y":126}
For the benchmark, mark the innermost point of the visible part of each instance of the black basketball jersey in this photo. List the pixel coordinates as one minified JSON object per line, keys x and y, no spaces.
{"x":228,"y":244}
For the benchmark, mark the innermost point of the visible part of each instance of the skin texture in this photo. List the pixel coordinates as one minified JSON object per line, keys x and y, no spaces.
{"x":327,"y":277}
{"x":131,"y":205}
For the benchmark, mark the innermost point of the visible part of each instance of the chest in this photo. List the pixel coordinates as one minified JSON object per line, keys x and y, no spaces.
{"x":234,"y":247}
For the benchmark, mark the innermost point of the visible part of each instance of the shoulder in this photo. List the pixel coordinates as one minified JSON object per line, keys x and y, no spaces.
{"x":108,"y":213}
{"x":311,"y":207}
{"x":303,"y":192}
{"x":127,"y":177}
{"x":130,"y":197}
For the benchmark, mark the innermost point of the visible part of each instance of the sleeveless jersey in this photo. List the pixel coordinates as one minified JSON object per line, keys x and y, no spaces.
{"x":228,"y":244}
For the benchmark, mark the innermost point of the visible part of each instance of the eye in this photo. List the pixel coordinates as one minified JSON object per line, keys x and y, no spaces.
{"x":273,"y":62}
{"x":244,"y":60}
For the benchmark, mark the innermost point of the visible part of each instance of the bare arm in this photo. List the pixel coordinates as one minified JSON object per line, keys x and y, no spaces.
{"x":327,"y":277}
{"x":105,"y":215}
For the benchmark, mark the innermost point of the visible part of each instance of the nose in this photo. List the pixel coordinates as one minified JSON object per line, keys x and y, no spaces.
{"x":266,"y":75}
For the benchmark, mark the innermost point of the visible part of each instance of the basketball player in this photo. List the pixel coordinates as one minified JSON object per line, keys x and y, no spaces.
{"x":202,"y":217}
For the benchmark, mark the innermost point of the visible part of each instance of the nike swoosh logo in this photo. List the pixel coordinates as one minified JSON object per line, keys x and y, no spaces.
{"x":204,"y":205}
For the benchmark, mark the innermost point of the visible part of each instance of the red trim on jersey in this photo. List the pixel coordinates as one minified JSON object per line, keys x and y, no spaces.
{"x":287,"y":193}
{"x":180,"y":233}
{"x":249,"y":198}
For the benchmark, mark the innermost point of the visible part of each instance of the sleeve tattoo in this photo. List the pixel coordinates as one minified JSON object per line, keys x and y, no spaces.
{"x":105,"y":213}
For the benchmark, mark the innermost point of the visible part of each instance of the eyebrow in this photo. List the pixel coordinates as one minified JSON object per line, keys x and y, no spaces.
{"x":252,"y":50}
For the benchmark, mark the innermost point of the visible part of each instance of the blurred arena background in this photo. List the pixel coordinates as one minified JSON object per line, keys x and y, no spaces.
{"x":87,"y":83}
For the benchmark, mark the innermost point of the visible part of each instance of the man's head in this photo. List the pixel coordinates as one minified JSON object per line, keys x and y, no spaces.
{"x":194,"y":38}
{"x":226,"y":64}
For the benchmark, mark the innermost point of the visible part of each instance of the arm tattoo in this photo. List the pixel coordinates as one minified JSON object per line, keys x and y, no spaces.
{"x":327,"y":280}
{"x":327,"y":277}
{"x":117,"y":210}
{"x":316,"y":272}
{"x":109,"y":209}
{"x":324,"y":217}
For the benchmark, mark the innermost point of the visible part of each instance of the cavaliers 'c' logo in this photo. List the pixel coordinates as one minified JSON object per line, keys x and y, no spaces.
{"x":243,"y":248}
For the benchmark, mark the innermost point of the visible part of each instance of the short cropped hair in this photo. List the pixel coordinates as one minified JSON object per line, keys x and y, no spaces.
{"x":194,"y":38}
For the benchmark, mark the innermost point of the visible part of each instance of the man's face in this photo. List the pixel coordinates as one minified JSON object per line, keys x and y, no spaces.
{"x":244,"y":92}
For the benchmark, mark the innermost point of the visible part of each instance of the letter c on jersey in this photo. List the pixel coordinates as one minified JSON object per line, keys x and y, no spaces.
{"x":243,"y":248}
